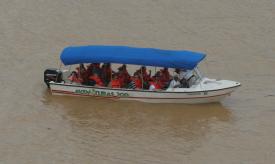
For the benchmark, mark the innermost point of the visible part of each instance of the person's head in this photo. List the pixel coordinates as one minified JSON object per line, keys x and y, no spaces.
{"x":176,"y":78}
{"x":177,"y":70}
{"x":115,"y":76}
{"x":137,"y":73}
{"x":158,"y":74}
{"x":123,"y":67}
{"x":120,"y":69}
{"x":73,"y":73}
{"x":97,"y":64}
{"x":120,"y":73}
{"x":136,"y":76}
{"x":165,"y":69}
{"x":105,"y":65}
{"x":82,"y":67}
{"x":143,"y":68}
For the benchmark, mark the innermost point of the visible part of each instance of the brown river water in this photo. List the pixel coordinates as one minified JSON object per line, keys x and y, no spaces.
{"x":238,"y":37}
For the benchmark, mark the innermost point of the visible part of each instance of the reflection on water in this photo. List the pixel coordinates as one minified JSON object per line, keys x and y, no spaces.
{"x":131,"y":114}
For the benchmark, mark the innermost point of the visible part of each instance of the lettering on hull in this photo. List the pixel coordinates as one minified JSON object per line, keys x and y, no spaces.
{"x":94,"y":92}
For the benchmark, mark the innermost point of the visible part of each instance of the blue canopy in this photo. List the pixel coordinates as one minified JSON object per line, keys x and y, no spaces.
{"x":131,"y":55}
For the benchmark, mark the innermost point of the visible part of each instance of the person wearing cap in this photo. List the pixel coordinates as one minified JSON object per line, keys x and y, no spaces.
{"x":175,"y":83}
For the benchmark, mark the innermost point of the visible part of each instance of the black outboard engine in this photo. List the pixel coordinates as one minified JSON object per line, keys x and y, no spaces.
{"x":52,"y":74}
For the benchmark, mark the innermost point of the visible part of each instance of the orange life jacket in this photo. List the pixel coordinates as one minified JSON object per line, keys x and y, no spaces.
{"x":74,"y":78}
{"x":165,"y":76}
{"x":115,"y":83}
{"x":97,"y":80}
{"x":156,"y":85}
{"x":146,"y":76}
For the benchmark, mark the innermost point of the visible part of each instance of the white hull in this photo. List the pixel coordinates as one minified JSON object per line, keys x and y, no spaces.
{"x":192,"y":95}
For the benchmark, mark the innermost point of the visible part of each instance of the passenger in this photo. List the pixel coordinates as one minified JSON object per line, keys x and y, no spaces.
{"x":135,"y":82}
{"x":138,"y":82}
{"x":106,"y":73}
{"x":81,"y":68}
{"x":175,"y":83}
{"x":96,"y":79}
{"x":178,"y":71}
{"x":158,"y":76}
{"x":126,"y":74}
{"x":164,"y":79}
{"x":90,"y":68}
{"x":165,"y":75}
{"x":145,"y":76}
{"x":82,"y":73}
{"x":123,"y":76}
{"x":115,"y":83}
{"x":155,"y":84}
{"x":97,"y":69}
{"x":184,"y":77}
{"x":74,"y":78}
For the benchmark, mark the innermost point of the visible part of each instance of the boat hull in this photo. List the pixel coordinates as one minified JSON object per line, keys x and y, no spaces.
{"x":193,"y":97}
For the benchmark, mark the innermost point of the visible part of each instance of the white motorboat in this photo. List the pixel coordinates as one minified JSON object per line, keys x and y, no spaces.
{"x":202,"y":89}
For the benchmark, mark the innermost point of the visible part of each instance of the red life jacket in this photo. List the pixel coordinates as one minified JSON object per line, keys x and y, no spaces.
{"x":121,"y":79}
{"x":74,"y":78}
{"x":146,"y":76}
{"x":115,"y":83}
{"x":156,"y":85}
{"x":165,"y":76}
{"x":124,"y":79}
{"x":97,"y":80}
{"x":127,"y":77}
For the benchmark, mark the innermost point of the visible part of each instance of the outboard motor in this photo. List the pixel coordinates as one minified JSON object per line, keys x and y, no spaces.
{"x":52,"y":74}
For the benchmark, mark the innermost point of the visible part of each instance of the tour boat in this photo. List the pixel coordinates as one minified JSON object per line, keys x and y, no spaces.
{"x":202,"y":90}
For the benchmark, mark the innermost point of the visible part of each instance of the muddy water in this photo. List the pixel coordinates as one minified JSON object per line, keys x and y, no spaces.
{"x":238,"y":37}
